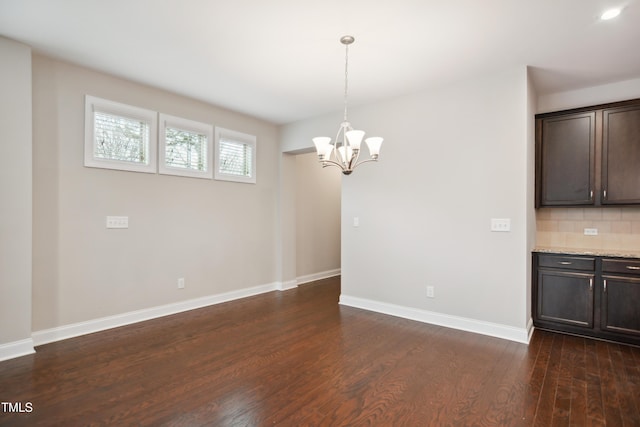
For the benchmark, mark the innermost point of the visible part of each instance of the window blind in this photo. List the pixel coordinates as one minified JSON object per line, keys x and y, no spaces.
{"x":120,"y":138}
{"x":235,"y":157}
{"x":185,"y":149}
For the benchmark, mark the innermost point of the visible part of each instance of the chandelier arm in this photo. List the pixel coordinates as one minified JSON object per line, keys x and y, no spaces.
{"x":336,"y":153}
{"x":363,"y":161}
{"x":326,"y":163}
{"x":354,"y":159}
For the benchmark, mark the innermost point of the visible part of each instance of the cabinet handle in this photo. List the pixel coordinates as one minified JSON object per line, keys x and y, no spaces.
{"x":568,"y":263}
{"x":631,"y":267}
{"x":604,"y":194}
{"x":590,"y":284}
{"x":605,"y":285}
{"x":591,"y":195}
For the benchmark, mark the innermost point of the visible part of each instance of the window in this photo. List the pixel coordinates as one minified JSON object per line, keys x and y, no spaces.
{"x":119,"y":136}
{"x":235,"y":156}
{"x":186,"y":147}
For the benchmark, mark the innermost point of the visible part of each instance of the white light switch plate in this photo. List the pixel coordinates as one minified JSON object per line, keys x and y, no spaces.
{"x":500,"y":224}
{"x":117,"y":222}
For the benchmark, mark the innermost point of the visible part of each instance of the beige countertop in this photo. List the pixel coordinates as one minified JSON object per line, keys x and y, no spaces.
{"x":593,"y":252}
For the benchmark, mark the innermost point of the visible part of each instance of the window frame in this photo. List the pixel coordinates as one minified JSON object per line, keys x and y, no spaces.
{"x":240,"y":137}
{"x":94,"y":104}
{"x":187,"y":125}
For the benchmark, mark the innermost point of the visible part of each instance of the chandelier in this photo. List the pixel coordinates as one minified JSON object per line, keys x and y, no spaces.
{"x":345,"y":151}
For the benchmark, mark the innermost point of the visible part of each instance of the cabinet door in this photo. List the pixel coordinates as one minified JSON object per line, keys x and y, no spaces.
{"x":621,"y":155}
{"x":565,"y":297}
{"x":621,"y":305}
{"x":566,"y":165}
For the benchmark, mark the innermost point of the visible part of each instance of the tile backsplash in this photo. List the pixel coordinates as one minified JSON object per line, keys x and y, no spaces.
{"x":618,"y":228}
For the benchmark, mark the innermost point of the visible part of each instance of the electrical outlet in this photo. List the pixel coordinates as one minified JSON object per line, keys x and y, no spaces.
{"x":430,"y":292}
{"x":181,"y":283}
{"x":590,"y":231}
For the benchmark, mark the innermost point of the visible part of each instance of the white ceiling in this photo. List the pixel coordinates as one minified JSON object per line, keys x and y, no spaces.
{"x":281,"y":60}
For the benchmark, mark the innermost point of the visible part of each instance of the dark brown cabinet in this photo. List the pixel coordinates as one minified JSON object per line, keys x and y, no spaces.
{"x":564,"y":290}
{"x":621,"y":155}
{"x":589,"y":156}
{"x":568,"y":158}
{"x":621,"y":296}
{"x":585,"y":295}
{"x":565,"y":297}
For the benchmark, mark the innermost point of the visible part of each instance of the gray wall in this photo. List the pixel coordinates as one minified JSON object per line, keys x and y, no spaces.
{"x":317,"y":217}
{"x":64,"y":273}
{"x":15,"y":199}
{"x":220,"y":236}
{"x":452,"y":160}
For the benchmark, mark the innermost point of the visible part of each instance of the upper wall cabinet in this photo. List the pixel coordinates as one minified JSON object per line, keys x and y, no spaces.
{"x":567,"y":159}
{"x":621,"y":155}
{"x":589,"y":156}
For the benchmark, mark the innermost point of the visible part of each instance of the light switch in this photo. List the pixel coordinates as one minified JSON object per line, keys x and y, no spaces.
{"x":500,"y":224}
{"x":356,"y":221}
{"x":117,"y":222}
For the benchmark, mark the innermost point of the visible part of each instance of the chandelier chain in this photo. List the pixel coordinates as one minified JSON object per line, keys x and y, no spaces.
{"x":346,"y":79}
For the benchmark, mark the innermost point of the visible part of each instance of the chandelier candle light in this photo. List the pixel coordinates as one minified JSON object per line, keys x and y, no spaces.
{"x":345,"y":151}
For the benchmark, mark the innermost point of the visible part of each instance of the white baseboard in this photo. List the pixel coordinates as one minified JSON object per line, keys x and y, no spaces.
{"x":530,"y":330}
{"x":284,"y":286}
{"x":300,"y":280}
{"x":511,"y":333}
{"x":16,"y":349}
{"x":317,"y":276}
{"x":101,"y":324}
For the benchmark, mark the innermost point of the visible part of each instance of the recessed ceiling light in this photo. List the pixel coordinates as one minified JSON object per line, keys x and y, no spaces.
{"x":610,"y":14}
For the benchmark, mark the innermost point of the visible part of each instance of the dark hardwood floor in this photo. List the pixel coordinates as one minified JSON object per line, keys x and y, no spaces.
{"x":297,"y":358}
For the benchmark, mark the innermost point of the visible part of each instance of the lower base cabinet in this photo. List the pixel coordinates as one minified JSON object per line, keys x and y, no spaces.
{"x":587,"y":295}
{"x":566,"y":297}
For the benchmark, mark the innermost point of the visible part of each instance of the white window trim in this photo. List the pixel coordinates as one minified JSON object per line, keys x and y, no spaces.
{"x":240,"y":137}
{"x":93,"y":104}
{"x":191,"y":126}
